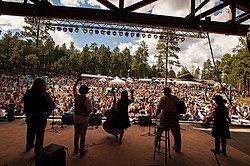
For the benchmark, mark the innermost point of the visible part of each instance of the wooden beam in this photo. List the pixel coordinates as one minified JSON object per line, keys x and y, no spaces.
{"x":243,"y":5}
{"x":197,"y":9}
{"x":130,"y":18}
{"x":121,"y":4}
{"x":232,"y":12}
{"x":191,"y":6}
{"x":243,"y":17}
{"x":108,"y":4}
{"x":214,"y":9}
{"x":138,"y":5}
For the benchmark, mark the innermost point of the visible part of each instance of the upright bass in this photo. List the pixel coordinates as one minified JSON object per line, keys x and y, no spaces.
{"x":110,"y":114}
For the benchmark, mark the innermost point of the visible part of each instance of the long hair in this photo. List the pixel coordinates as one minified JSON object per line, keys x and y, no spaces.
{"x":124,"y":95}
{"x":39,"y":84}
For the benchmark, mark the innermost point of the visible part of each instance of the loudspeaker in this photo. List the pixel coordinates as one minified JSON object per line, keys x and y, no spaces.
{"x":144,"y":120}
{"x":68,"y":119}
{"x":51,"y":155}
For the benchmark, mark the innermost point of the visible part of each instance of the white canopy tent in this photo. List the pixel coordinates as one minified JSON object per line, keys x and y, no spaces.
{"x":157,"y":80}
{"x":163,"y":80}
{"x":129,"y":79}
{"x":102,"y":80}
{"x":117,"y":81}
{"x":188,"y":82}
{"x":93,"y":76}
{"x":145,"y":79}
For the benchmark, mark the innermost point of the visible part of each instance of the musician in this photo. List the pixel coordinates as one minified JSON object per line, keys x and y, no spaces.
{"x":122,"y":119}
{"x":83,"y":106}
{"x":167,"y":106}
{"x":220,"y":130}
{"x":38,"y":106}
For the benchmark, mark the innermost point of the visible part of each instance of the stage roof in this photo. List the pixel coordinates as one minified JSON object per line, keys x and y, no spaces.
{"x":194,"y":21}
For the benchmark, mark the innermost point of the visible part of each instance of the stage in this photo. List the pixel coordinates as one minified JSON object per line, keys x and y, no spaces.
{"x":136,"y":149}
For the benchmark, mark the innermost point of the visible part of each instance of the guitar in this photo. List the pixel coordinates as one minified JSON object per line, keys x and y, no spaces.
{"x":206,"y":121}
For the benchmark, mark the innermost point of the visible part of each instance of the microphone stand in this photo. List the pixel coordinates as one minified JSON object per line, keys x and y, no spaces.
{"x":53,"y":112}
{"x":62,"y":127}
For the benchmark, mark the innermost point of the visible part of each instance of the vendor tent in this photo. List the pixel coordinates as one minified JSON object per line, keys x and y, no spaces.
{"x":188,"y":82}
{"x":102,"y":79}
{"x":129,"y":79}
{"x":145,"y":80}
{"x":93,"y":76}
{"x":118,"y":81}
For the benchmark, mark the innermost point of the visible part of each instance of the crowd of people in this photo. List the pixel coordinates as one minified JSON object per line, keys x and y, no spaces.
{"x":198,"y":98}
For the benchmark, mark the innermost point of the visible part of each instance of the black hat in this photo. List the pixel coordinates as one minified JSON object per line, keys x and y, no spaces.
{"x":83,"y":89}
{"x":219,"y":99}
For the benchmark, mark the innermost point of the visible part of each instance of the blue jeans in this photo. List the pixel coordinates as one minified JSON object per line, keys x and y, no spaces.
{"x":80,"y":133}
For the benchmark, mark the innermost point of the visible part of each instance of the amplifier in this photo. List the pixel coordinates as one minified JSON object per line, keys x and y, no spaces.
{"x":95,"y":119}
{"x":51,"y":155}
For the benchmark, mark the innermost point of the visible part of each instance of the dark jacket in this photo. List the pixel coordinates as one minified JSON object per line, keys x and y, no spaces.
{"x":38,"y":103}
{"x":220,"y":126}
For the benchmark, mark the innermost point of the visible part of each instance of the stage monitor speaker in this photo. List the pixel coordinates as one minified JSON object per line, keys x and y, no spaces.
{"x":68,"y":119}
{"x":144,"y":120}
{"x":95,"y":119}
{"x":51,"y":155}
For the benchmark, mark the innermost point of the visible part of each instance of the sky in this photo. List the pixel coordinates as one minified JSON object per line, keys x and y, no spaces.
{"x":193,"y":51}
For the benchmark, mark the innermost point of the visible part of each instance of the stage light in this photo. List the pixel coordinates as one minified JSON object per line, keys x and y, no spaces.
{"x":172,"y":38}
{"x":161,"y":37}
{"x":167,"y":37}
{"x":114,"y":33}
{"x":108,"y":32}
{"x":91,"y":31}
{"x":132,"y":34}
{"x":52,"y":28}
{"x":71,"y":30}
{"x":76,"y":30}
{"x":120,"y":33}
{"x":182,"y":39}
{"x":138,"y":35}
{"x":65,"y":29}
{"x":59,"y":28}
{"x":96,"y":31}
{"x":143,"y":35}
{"x":155,"y":36}
{"x":85,"y":30}
{"x":126,"y":34}
{"x":149,"y":35}
{"x":103,"y":32}
{"x":177,"y":39}
{"x":46,"y":27}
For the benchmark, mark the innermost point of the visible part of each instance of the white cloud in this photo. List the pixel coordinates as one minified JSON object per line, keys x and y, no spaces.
{"x":131,"y":46}
{"x":61,"y":37}
{"x":122,"y":46}
{"x":73,"y":3}
{"x":11,"y":23}
{"x":197,"y":53}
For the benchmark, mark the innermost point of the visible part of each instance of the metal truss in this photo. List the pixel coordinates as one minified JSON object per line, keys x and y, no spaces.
{"x":120,"y":28}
